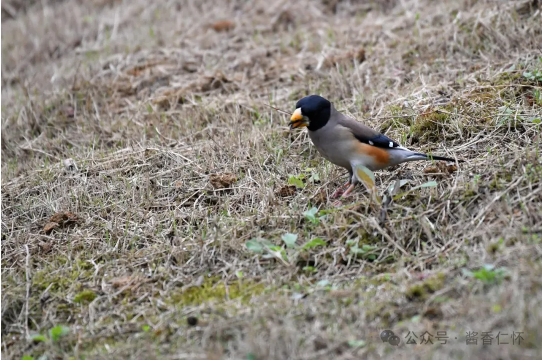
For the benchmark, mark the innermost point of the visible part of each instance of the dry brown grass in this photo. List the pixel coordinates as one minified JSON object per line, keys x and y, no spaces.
{"x":148,"y":122}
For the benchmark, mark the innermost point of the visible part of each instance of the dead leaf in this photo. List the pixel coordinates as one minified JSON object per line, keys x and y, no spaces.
{"x":48,"y":228}
{"x":224,"y":180}
{"x":450,"y":168}
{"x":320,"y":197}
{"x":431,"y":169}
{"x":223,"y":25}
{"x":63,"y":218}
{"x":60,"y":219}
{"x":286,"y":191}
{"x":442,"y":168}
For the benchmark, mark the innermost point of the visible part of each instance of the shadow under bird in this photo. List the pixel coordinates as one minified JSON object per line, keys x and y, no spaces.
{"x":348,"y":143}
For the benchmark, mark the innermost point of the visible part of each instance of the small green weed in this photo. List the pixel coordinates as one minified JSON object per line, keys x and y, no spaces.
{"x":488,"y":274}
{"x":365,"y":251}
{"x":535,"y":75}
{"x":53,"y":335}
{"x":297,"y":180}
{"x":313,"y":216}
{"x":288,"y":252}
{"x":300,"y":180}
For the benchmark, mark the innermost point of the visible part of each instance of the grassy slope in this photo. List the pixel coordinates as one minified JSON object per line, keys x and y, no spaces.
{"x":179,"y":162}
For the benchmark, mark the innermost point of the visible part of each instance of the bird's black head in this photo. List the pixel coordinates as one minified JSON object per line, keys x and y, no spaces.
{"x":312,"y":112}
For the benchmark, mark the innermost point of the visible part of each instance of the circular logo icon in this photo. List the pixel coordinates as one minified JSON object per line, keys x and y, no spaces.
{"x":394,"y":340}
{"x":385,"y":335}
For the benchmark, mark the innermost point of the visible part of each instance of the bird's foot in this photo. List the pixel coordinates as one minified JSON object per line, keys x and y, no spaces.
{"x":340,"y":191}
{"x":343,"y":194}
{"x":337,"y":203}
{"x":348,"y":191}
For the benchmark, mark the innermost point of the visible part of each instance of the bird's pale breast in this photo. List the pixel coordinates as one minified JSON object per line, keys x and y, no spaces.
{"x":338,"y":145}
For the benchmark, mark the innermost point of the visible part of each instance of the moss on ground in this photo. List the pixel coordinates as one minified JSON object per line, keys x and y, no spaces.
{"x":216,"y":290}
{"x":428,"y":126}
{"x":420,"y":291}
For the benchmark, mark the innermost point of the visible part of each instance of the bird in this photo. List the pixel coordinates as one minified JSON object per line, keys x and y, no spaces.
{"x":348,"y":143}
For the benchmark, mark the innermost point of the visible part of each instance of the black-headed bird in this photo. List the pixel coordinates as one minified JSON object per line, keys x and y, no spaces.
{"x":348,"y":143}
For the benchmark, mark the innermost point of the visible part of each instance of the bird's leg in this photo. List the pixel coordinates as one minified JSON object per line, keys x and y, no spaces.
{"x":349,"y":190}
{"x":345,"y":194}
{"x":339,"y":192}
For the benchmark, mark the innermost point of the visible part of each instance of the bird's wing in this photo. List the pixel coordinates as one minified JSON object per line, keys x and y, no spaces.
{"x":365,"y":134}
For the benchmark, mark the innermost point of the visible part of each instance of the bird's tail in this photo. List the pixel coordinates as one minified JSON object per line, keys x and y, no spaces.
{"x":422,"y":156}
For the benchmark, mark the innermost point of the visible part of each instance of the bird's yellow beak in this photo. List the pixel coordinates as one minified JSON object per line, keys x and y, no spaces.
{"x":297,"y":120}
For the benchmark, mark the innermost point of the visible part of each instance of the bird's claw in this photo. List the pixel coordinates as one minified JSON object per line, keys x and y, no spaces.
{"x":340,"y":191}
{"x":337,"y":203}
